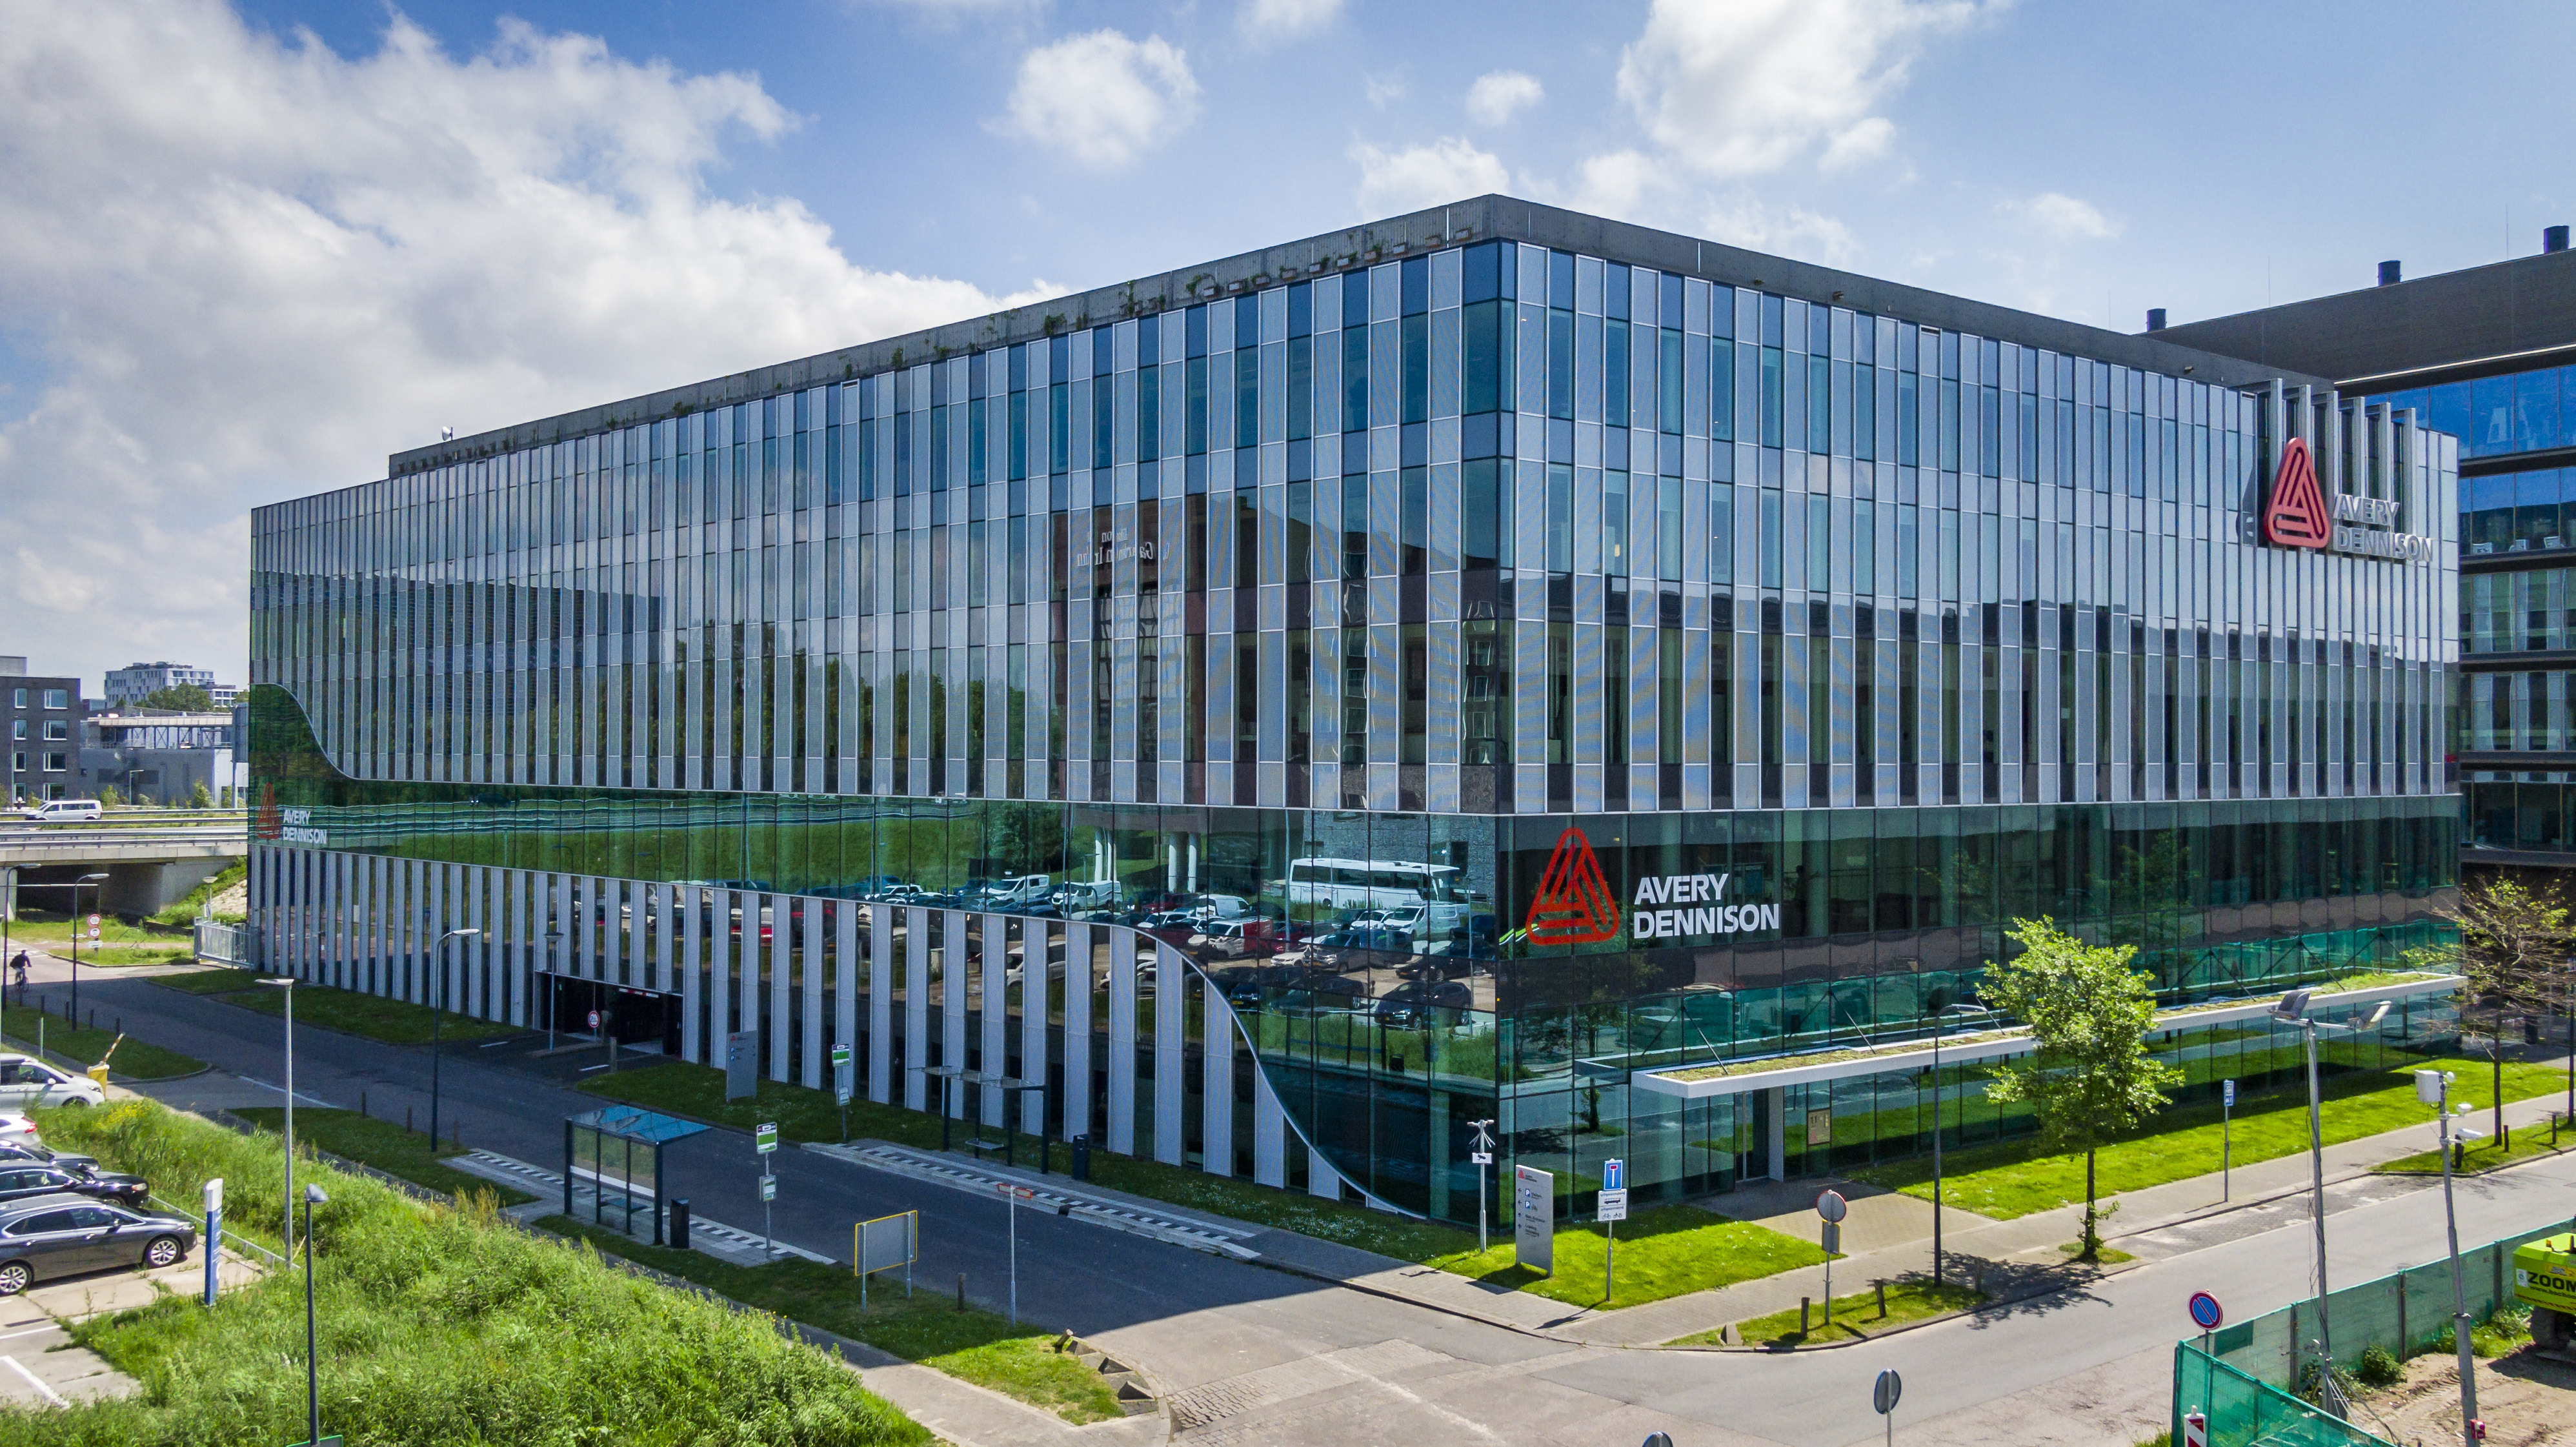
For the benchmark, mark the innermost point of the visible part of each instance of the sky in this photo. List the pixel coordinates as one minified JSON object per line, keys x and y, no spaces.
{"x":247,"y":250}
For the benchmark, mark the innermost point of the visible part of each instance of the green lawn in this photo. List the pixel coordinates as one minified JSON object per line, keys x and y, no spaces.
{"x":395,"y":1022}
{"x":383,"y":1145}
{"x":973,"y":1345}
{"x":2529,"y":1143}
{"x":1850,"y":1318}
{"x":438,"y":1326}
{"x":2016,"y":1179}
{"x":216,"y":980}
{"x":134,"y":1059}
{"x":1665,"y":1251}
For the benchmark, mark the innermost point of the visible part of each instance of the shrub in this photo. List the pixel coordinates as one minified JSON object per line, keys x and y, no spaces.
{"x":438,"y":1326}
{"x":2379,"y":1367}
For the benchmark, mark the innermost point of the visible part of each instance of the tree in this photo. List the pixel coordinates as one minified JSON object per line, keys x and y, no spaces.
{"x":199,"y":796}
{"x":179,"y":698}
{"x":2513,"y":947}
{"x":2092,"y":1077}
{"x":107,"y":794}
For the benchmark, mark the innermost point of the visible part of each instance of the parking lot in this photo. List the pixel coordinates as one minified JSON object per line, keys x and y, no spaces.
{"x":39,"y":1365}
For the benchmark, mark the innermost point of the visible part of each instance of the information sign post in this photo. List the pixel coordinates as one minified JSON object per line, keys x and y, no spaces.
{"x":1481,"y":1157}
{"x":841,"y":1087}
{"x":1612,"y":1209}
{"x":765,"y":1140}
{"x":1831,"y":1208}
{"x":2226,"y":1139}
{"x":1534,"y":1219}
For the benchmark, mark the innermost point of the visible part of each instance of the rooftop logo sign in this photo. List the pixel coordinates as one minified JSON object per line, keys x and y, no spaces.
{"x":1574,"y":904}
{"x":2295,"y":514}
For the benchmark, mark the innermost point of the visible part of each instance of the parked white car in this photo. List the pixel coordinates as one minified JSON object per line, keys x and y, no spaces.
{"x":26,"y":1081}
{"x":16,"y":1130}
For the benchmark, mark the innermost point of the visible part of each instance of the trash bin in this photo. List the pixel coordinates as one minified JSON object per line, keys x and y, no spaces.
{"x":1082,"y":1157}
{"x":679,"y":1235}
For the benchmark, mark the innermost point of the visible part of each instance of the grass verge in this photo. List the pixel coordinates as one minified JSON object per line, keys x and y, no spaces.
{"x":438,"y":1326}
{"x":2016,"y":1179}
{"x":395,"y":1022}
{"x":215,"y":980}
{"x":1663,"y":1252}
{"x":2530,"y":1143}
{"x":134,"y":1059}
{"x":1848,"y":1318}
{"x":183,"y":914}
{"x":383,"y":1145}
{"x":973,"y":1345}
{"x":2107,"y":1256}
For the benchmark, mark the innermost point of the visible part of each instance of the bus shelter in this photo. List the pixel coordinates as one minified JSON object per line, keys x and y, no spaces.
{"x":617,"y":1151}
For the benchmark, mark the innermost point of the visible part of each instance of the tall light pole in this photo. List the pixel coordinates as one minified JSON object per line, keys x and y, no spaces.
{"x":437,"y":1011}
{"x":2433,"y":1087}
{"x":1936,"y":1130}
{"x":93,"y":881}
{"x":2292,"y":1009}
{"x":287,"y":983}
{"x":312,"y":1358}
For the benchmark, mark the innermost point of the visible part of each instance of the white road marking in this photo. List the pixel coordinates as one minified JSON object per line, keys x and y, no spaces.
{"x":299,"y":1095}
{"x":47,"y":1392}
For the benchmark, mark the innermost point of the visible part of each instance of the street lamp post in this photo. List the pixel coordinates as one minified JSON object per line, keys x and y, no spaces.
{"x":93,"y":881}
{"x":312,"y":1358}
{"x":2292,"y":1009}
{"x":2433,"y":1087}
{"x":1936,"y":1131}
{"x":287,"y":983}
{"x":437,"y":1012}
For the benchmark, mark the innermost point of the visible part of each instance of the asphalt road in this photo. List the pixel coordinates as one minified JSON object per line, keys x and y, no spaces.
{"x":1251,"y":1355}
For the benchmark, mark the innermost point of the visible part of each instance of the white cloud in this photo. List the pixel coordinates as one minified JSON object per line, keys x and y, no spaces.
{"x":1499,"y":95}
{"x":249,"y":268}
{"x":2064,"y":218}
{"x":1745,"y":87}
{"x":1383,"y":90}
{"x":1865,"y":140}
{"x":1617,"y":185}
{"x":1780,"y":230}
{"x":1286,"y":19}
{"x":1102,"y":98}
{"x":1450,"y":169}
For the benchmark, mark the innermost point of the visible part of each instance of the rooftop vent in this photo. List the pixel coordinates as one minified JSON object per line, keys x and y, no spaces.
{"x":2553,"y":238}
{"x":2389,"y":273}
{"x":2155,"y":319}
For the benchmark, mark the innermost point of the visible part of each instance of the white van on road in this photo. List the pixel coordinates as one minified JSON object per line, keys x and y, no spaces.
{"x":65,"y":811}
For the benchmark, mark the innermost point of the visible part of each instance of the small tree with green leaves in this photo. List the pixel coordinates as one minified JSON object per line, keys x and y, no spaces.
{"x":108,"y":795}
{"x":199,"y":796}
{"x":180,"y":698}
{"x":2092,"y":1078}
{"x":2513,"y":945}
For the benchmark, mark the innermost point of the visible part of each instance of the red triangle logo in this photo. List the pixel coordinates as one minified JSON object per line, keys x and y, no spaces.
{"x":1574,"y":904}
{"x":2296,"y":515}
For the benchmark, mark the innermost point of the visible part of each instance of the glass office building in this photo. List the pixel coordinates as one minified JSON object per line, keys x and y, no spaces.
{"x":1494,"y":664}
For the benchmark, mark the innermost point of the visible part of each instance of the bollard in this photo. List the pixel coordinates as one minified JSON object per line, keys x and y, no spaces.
{"x":680,"y":1223}
{"x":1082,"y":1157}
{"x":456,"y":1138}
{"x":406,"y":1120}
{"x":362,"y":1103}
{"x":1802,"y":1316}
{"x":1882,"y":1300}
{"x":961,"y":1291}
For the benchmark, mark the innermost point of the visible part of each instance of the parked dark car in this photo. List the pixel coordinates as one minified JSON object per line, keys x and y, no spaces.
{"x":11,"y":1151}
{"x":65,"y":1235}
{"x":20,"y":1180}
{"x":1411,"y":1007}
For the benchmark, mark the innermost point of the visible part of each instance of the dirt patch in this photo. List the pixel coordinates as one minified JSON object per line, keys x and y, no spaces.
{"x":2526,"y":1399}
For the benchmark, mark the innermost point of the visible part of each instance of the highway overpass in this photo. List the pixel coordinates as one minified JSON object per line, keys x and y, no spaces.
{"x":149,"y":863}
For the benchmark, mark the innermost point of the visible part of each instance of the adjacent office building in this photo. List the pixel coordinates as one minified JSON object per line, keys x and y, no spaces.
{"x":2488,"y":355}
{"x":1492,"y":665}
{"x":42,"y":716}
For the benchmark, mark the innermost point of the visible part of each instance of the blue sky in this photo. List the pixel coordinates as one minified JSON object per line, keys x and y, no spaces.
{"x":248,"y":250}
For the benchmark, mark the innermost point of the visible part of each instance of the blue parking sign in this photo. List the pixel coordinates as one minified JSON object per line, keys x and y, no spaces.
{"x":1614,"y":1175}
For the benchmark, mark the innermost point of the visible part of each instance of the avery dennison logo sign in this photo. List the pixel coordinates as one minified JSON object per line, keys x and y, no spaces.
{"x":2298,"y":515}
{"x":1709,"y":913}
{"x":1574,"y":905}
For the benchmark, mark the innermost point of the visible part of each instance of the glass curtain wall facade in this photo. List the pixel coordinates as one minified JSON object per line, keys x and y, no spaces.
{"x":1245,"y":643}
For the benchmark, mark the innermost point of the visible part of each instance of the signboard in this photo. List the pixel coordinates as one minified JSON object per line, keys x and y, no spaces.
{"x":2195,"y":1430}
{"x":1613,"y":1206}
{"x":1820,"y":1127}
{"x":2205,"y":1312}
{"x":594,"y":1019}
{"x":742,"y":1064}
{"x":1480,"y":1158}
{"x":1534,"y":1219}
{"x":1574,"y":905}
{"x":1831,"y":1206}
{"x":2297,"y":514}
{"x":840,"y":1057}
{"x":2227,"y":1094}
{"x":765,"y":1138}
{"x":93,"y":921}
{"x":1883,"y":1393}
{"x":769,"y":1188}
{"x":886,"y":1242}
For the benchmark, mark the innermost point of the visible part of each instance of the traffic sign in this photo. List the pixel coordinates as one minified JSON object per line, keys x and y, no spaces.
{"x":2227,"y":1094}
{"x":2195,"y":1430}
{"x":1614,"y":1175}
{"x":594,"y":1019}
{"x":1884,"y":1393}
{"x":1831,"y":1206}
{"x":2205,"y":1312}
{"x":840,"y":1056}
{"x":769,"y":1188}
{"x":1480,"y":1158}
{"x":1613,"y":1205}
{"x":93,"y":921}
{"x":765,"y":1138}
{"x":1015,"y":1190}
{"x":841,"y":1093}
